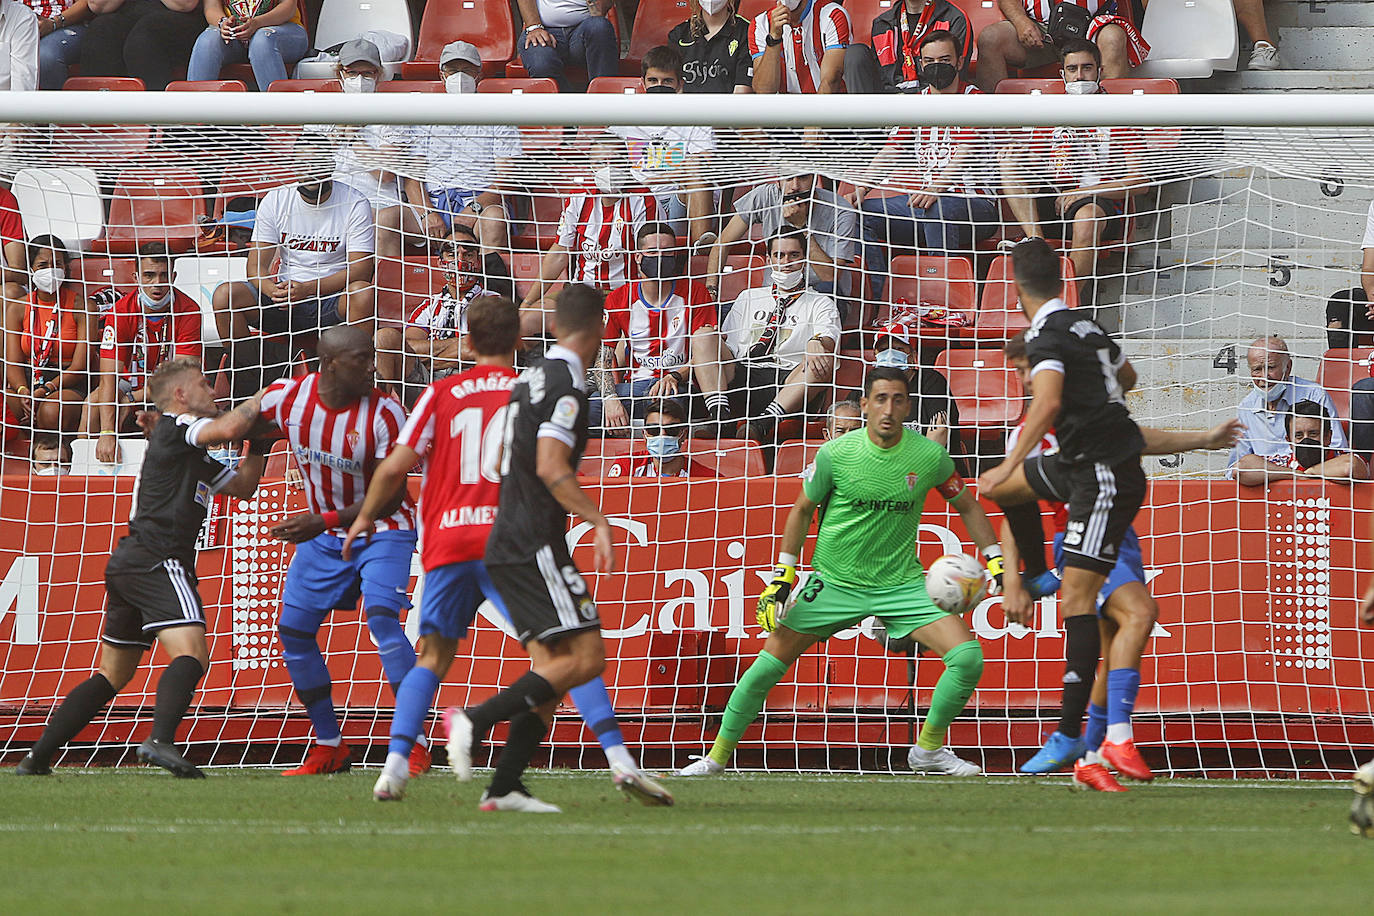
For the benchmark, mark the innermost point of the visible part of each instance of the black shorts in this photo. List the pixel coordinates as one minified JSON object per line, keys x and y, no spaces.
{"x":141,"y":602}
{"x":1103,"y":500}
{"x":546,"y":598}
{"x":754,"y":387}
{"x":1060,"y":226}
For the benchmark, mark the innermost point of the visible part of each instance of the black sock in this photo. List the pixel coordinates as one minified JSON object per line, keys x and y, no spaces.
{"x":1082,"y":646}
{"x":77,"y":710}
{"x":174,"y":691}
{"x":526,"y":731}
{"x":1029,"y":534}
{"x":528,"y":692}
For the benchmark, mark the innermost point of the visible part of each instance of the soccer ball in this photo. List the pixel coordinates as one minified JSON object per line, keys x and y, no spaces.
{"x":956,"y":583}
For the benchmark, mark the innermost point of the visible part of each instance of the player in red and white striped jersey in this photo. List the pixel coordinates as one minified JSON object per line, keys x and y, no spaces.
{"x":596,"y":234}
{"x":340,"y":427}
{"x":798,"y":46}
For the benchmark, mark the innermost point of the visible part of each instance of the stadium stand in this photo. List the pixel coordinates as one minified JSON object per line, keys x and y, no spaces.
{"x":153,"y":205}
{"x":103,"y":84}
{"x":987,"y":391}
{"x":1340,"y":370}
{"x":1189,"y":39}
{"x":653,"y":20}
{"x":206,"y":86}
{"x":617,"y":85}
{"x":343,"y":20}
{"x":487,"y":25}
{"x":64,"y":202}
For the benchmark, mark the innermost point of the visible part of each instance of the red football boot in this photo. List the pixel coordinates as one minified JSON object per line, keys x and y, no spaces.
{"x":323,"y":760}
{"x":419,"y":759}
{"x":1126,"y":760}
{"x":1095,"y":776}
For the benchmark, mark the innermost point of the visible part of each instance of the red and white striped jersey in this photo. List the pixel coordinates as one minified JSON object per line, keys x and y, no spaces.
{"x":1048,"y":443}
{"x":599,"y":233}
{"x":457,"y":428}
{"x":337,"y":450}
{"x":824,"y":26}
{"x":930,"y":149}
{"x":658,"y":335}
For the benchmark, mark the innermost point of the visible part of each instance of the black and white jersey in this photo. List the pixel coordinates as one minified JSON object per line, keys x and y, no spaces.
{"x":175,"y":486}
{"x":549,"y":400}
{"x":1093,"y":422}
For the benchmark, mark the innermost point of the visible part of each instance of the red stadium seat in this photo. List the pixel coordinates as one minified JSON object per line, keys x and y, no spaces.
{"x":153,"y":205}
{"x":793,"y":456}
{"x":324,"y":85}
{"x":999,"y":315}
{"x":206,"y":86}
{"x":96,"y":273}
{"x":278,"y":459}
{"x":729,"y":457}
{"x":411,"y":86}
{"x":653,"y":21}
{"x":749,"y":9}
{"x":600,"y":454}
{"x":541,"y":229}
{"x":403,"y":285}
{"x":616,"y":85}
{"x":933,"y":280}
{"x":850,"y":368}
{"x":1340,"y":370}
{"x":985,"y":388}
{"x":738,"y":273}
{"x":981,"y":14}
{"x":516,"y":85}
{"x":524,"y":270}
{"x":103,"y":84}
{"x":487,"y":24}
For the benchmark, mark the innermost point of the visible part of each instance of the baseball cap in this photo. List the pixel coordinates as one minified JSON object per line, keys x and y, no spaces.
{"x":238,"y":219}
{"x":359,"y":50}
{"x":460,"y":50}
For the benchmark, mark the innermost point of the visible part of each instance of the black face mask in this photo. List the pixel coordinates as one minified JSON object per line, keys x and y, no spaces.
{"x":313,"y":191}
{"x":660,"y":88}
{"x":938,"y":76}
{"x":1309,"y":454}
{"x":659,"y":266}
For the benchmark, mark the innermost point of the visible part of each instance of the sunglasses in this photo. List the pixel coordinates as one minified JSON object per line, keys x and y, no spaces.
{"x":662,"y":430}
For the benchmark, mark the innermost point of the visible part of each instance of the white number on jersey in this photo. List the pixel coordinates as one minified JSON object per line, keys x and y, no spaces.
{"x":479,"y":449}
{"x":512,"y":410}
{"x":1114,"y":392}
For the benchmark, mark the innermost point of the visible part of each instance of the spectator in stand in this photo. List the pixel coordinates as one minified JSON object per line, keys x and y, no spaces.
{"x":799,"y":46}
{"x":596,"y":233}
{"x":147,"y":39}
{"x":664,"y":453}
{"x":845,"y":416}
{"x":781,"y":342}
{"x":272,"y":41}
{"x":1277,"y":390}
{"x":146,"y":327}
{"x":47,"y":340}
{"x":796,"y":202}
{"x":13,"y":248}
{"x":19,"y":38}
{"x":1037,"y":32}
{"x":466,"y":169}
{"x":893,"y":63}
{"x":433,"y":344}
{"x":1309,"y":452}
{"x":1071,"y":183}
{"x":60,"y":31}
{"x":1264,"y":53}
{"x":568,"y":33}
{"x":321,"y":236}
{"x":952,"y":204}
{"x":714,"y":43}
{"x":667,"y":322}
{"x":667,"y":160}
{"x":1349,"y":314}
{"x":367,"y":155}
{"x":933,"y":413}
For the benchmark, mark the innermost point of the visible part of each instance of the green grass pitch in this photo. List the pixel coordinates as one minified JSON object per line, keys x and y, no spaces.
{"x":136,"y":840}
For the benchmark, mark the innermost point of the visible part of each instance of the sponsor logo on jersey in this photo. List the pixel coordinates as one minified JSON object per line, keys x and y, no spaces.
{"x":203,"y":493}
{"x":565,"y":412}
{"x":467,"y":515}
{"x":352,"y":437}
{"x":884,"y":505}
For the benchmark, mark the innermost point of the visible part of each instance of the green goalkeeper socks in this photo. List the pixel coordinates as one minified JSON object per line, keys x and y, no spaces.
{"x":745,"y":702}
{"x":963,"y":667}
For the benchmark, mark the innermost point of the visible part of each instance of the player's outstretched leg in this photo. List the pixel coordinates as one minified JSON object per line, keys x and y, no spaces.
{"x":398,"y":660}
{"x":593,"y":703}
{"x":963,"y":668}
{"x":506,"y":791}
{"x":1133,"y":612}
{"x":117,"y":667}
{"x":414,"y":697}
{"x":1362,"y":807}
{"x":743,"y":707}
{"x":310,"y":677}
{"x":467,"y":728}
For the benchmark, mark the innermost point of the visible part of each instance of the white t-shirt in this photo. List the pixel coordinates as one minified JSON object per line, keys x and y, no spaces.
{"x":371,"y":149}
{"x":811,"y":314}
{"x":463,"y":156}
{"x":314,"y":240}
{"x":562,"y":12}
{"x":658,"y":154}
{"x":1369,"y":228}
{"x":19,"y":41}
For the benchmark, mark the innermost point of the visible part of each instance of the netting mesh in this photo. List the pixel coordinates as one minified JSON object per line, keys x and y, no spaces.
{"x":1208,"y":239}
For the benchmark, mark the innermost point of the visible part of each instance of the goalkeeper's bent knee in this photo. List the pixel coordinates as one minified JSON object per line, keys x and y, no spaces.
{"x":965,"y":663}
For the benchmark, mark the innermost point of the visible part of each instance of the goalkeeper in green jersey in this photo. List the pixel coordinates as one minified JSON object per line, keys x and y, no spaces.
{"x":870,"y":485}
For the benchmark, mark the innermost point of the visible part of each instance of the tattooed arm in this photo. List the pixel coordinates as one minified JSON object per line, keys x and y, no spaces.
{"x":232,"y":425}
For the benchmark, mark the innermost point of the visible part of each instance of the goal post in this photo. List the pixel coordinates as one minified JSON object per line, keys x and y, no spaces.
{"x":1227,"y":219}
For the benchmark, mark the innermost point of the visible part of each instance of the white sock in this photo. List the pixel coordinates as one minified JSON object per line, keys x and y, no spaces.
{"x":397,"y":766}
{"x":1092,"y":757}
{"x":1119,"y":732}
{"x":331,"y":742}
{"x":422,"y":741}
{"x":620,"y":755}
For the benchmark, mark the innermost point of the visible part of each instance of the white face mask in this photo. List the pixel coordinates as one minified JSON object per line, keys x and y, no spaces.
{"x":460,"y":83}
{"x":789,"y":278}
{"x":155,"y":305}
{"x":793,"y":5}
{"x":1274,"y":392}
{"x":711,"y":7}
{"x":358,"y":83}
{"x":48,"y":279}
{"x":1081,"y":87}
{"x":609,"y":179}
{"x":663,"y":447}
{"x":890,"y":357}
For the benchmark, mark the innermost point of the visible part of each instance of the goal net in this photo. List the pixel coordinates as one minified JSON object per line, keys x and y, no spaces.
{"x":1187,"y":240}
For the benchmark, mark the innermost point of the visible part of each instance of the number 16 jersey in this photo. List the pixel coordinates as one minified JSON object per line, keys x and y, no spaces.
{"x":456,"y":428}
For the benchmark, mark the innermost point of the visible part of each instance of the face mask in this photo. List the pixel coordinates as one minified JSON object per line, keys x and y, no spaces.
{"x":154,"y":305}
{"x":660,"y":89}
{"x":359,"y":83}
{"x":1081,"y":87}
{"x":48,"y":279}
{"x":609,"y":179}
{"x":793,"y":5}
{"x":461,"y":274}
{"x":663,"y":446}
{"x":658,"y":266}
{"x":789,"y":278}
{"x":460,"y":83}
{"x":1274,"y":392}
{"x":1308,"y":455}
{"x":938,"y":76}
{"x":312,"y":191}
{"x":890,"y":357}
{"x":711,"y":7}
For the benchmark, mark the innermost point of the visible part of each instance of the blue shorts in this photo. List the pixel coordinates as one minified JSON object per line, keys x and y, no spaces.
{"x":320,"y":579}
{"x":453,"y":593}
{"x":298,"y":318}
{"x":1130,"y":567}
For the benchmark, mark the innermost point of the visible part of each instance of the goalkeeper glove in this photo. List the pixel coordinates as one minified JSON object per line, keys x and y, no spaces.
{"x":774,"y":597}
{"x":996,"y":566}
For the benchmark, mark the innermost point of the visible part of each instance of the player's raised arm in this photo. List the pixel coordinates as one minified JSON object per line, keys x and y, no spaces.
{"x":553,"y":464}
{"x":1169,"y":442}
{"x":383,"y":493}
{"x":232,"y":425}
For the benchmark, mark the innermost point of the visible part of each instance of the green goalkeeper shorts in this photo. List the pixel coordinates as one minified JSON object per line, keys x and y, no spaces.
{"x":822,"y":609}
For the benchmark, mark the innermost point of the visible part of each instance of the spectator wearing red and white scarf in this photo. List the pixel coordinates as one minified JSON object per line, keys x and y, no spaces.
{"x":798,"y":46}
{"x":1024,"y":40}
{"x":892,"y":62}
